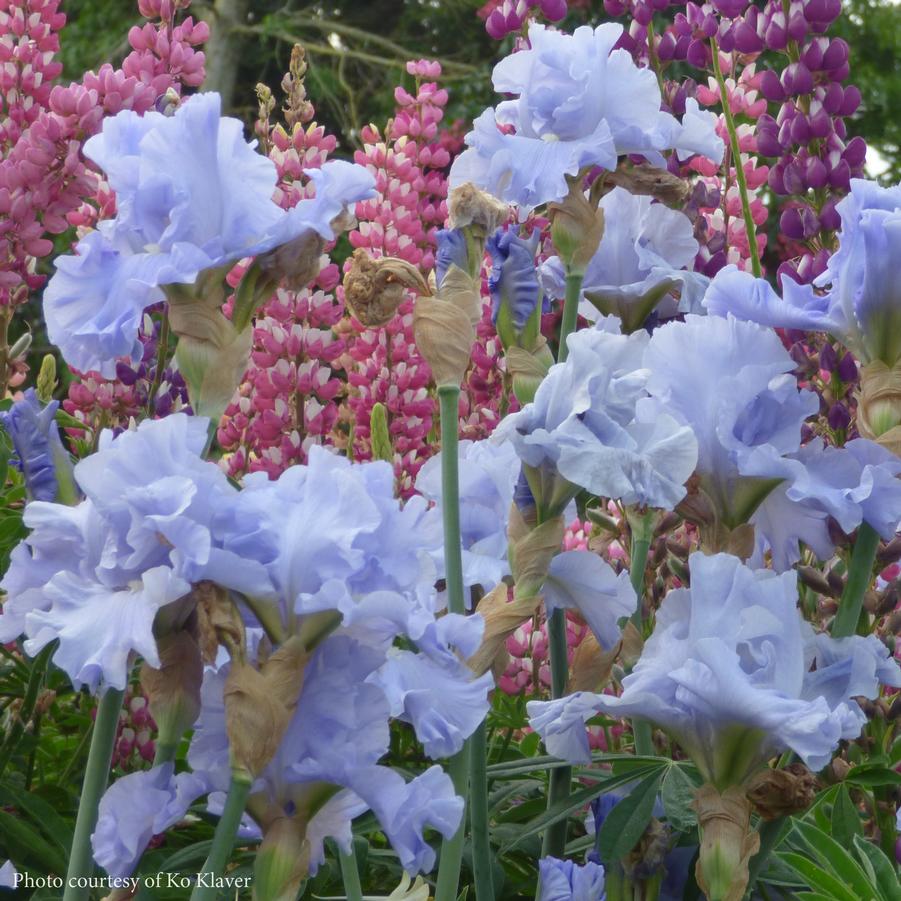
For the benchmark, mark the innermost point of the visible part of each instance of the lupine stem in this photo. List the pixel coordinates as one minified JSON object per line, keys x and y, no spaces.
{"x":478,"y":815}
{"x":81,"y":861}
{"x":859,"y":575}
{"x":642,"y":532}
{"x":458,"y":767}
{"x":750,"y":227}
{"x":224,"y":836}
{"x":350,"y":874}
{"x":570,"y":312}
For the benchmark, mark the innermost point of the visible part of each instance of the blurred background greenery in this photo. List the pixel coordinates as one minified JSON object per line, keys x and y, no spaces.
{"x":357,"y":50}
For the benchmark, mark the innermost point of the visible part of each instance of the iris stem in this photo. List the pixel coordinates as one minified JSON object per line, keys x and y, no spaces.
{"x":478,"y":815}
{"x":642,"y":526}
{"x":224,"y":836}
{"x":458,"y":767}
{"x":350,"y":874}
{"x":559,"y":779}
{"x":859,"y":575}
{"x":750,"y":227}
{"x":81,"y":861}
{"x":570,"y":312}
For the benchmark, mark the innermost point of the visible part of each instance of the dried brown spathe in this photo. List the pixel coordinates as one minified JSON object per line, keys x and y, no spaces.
{"x":727,"y":842}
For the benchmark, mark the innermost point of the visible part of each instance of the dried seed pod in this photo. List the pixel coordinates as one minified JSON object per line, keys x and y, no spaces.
{"x":375,"y":288}
{"x":469,"y":206}
{"x":780,"y":793}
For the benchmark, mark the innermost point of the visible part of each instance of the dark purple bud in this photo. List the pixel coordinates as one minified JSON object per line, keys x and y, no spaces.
{"x":125,"y":374}
{"x":847,"y":369}
{"x":746,"y":38}
{"x":856,"y":152}
{"x":822,"y":12}
{"x":698,"y":54}
{"x":797,"y":26}
{"x":812,"y":57}
{"x":162,"y":405}
{"x":807,"y":433}
{"x":768,"y":143}
{"x":839,"y":128}
{"x":828,"y":358}
{"x":715,"y":263}
{"x":496,"y":25}
{"x":660,"y":5}
{"x":818,"y":263}
{"x":717,"y":243}
{"x":787,"y":270}
{"x":800,"y":132}
{"x":841,"y":73}
{"x":614,"y":7}
{"x":840,"y":177}
{"x":832,"y":98}
{"x":798,"y":353}
{"x":771,"y":86}
{"x":793,"y":179}
{"x":643,"y":13}
{"x":666,"y":48}
{"x":836,"y":54}
{"x":683,"y":44}
{"x":815,"y":173}
{"x":839,"y":418}
{"x":819,"y":122}
{"x":796,"y":79}
{"x":850,"y":100}
{"x":775,"y":36}
{"x":732,"y":9}
{"x":710,"y":25}
{"x":776,"y":179}
{"x":726,"y":38}
{"x":554,"y":10}
{"x":829,"y":218}
{"x":790,"y":223}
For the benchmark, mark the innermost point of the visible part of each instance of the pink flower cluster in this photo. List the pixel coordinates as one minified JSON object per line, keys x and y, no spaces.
{"x":290,"y":395}
{"x":43,"y":179}
{"x":385,"y":366}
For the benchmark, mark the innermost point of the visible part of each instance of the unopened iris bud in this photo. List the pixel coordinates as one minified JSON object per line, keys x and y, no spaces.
{"x":40,"y":454}
{"x":375,"y":288}
{"x":516,"y":294}
{"x":577,"y":226}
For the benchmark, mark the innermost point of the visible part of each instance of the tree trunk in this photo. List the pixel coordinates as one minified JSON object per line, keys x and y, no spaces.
{"x":223,"y":50}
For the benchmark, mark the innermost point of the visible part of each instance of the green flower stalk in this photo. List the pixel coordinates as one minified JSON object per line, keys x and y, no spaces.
{"x":81,"y":860}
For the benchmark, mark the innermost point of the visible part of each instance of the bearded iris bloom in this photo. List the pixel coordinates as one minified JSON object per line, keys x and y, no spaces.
{"x":563,"y":880}
{"x":193,"y":196}
{"x":857,"y":298}
{"x":579,"y":103}
{"x":95,"y":575}
{"x":735,"y":675}
{"x":583,"y":430}
{"x":641,"y":262}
